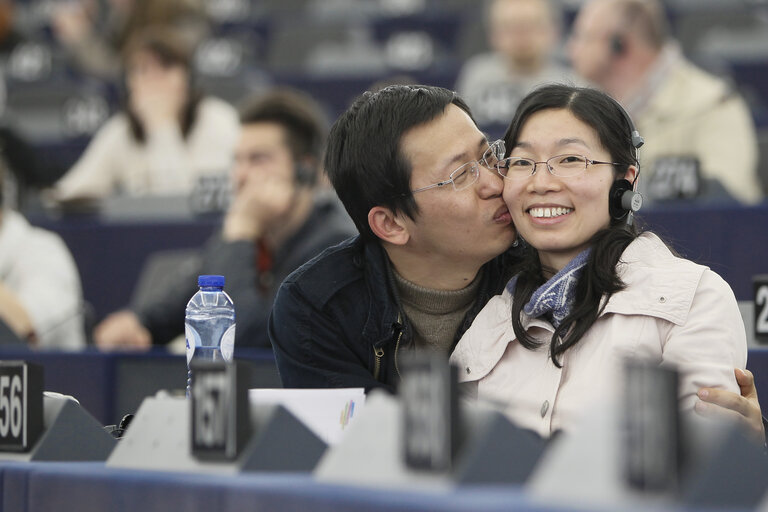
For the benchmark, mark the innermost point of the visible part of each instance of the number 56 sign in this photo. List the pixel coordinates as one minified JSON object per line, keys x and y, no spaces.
{"x":21,"y":405}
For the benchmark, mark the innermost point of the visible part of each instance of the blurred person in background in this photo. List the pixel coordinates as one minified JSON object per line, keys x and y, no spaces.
{"x":16,"y":153}
{"x":95,"y":36}
{"x":40,"y":293}
{"x":167,"y":137}
{"x":702,"y":141}
{"x":278,"y":220}
{"x":9,"y":35}
{"x":524,"y":36}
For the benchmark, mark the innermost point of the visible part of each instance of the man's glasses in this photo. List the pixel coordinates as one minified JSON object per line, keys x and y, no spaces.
{"x":564,"y":166}
{"x":468,"y":173}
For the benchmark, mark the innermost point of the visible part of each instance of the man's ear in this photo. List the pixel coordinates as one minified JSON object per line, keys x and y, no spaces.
{"x":388,"y":226}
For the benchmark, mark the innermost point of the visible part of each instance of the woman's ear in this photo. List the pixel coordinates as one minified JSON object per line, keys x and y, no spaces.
{"x":388,"y":226}
{"x":632,"y":173}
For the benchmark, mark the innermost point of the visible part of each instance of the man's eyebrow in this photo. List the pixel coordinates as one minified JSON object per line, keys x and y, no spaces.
{"x":463,"y":157}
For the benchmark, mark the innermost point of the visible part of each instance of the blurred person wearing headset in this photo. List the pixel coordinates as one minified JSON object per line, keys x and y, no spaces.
{"x":524,"y":36}
{"x":279,"y":218}
{"x":701,"y":137}
{"x":167,"y":137}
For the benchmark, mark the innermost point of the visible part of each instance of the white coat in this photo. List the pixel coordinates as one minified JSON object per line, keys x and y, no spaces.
{"x":672,"y":311}
{"x":693,"y":113}
{"x":166,"y":164}
{"x":37,"y":267}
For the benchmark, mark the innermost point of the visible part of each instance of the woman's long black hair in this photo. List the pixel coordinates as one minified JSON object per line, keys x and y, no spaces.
{"x":168,"y":47}
{"x":599,"y":278}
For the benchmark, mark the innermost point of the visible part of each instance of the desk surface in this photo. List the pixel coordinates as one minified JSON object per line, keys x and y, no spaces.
{"x":85,"y":487}
{"x":93,"y":486}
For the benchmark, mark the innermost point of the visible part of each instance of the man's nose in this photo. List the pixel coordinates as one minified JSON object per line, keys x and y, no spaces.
{"x":490,"y":182}
{"x":239,"y":170}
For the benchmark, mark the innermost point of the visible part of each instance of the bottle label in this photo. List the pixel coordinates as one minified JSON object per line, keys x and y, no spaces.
{"x":192,"y":339}
{"x":228,"y":344}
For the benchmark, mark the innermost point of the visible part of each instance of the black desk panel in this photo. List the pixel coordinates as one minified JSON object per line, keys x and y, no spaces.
{"x":732,"y":240}
{"x":110,"y":385}
{"x":111,"y":254}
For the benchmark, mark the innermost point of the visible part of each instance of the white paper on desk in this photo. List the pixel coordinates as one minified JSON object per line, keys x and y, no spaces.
{"x":327,"y":412}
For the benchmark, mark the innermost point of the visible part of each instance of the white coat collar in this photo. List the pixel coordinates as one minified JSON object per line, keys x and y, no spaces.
{"x":658,"y":283}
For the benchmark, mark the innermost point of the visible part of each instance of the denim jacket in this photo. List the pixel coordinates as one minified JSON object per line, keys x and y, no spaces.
{"x":337,"y":321}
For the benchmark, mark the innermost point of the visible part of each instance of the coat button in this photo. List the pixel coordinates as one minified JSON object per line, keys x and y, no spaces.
{"x":662,"y":299}
{"x":468,"y":370}
{"x":544,"y":408}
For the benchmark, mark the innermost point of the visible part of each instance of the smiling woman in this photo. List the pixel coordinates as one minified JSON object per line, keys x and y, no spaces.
{"x":562,"y":206}
{"x":591,"y":290}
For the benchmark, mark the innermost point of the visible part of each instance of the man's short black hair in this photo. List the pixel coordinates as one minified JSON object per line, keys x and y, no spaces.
{"x":300,"y":116}
{"x":364,"y":159}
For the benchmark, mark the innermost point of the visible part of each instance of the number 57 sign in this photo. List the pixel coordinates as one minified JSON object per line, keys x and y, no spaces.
{"x":21,"y":405}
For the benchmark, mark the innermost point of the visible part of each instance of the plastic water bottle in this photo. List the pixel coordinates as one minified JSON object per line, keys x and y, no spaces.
{"x":209,"y":324}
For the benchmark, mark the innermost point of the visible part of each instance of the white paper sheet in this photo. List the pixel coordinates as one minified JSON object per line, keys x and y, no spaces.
{"x":327,"y":412}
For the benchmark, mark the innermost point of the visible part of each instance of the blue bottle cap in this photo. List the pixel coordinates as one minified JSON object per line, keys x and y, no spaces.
{"x":210,"y":281}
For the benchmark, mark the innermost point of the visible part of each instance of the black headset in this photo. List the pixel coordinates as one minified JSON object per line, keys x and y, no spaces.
{"x":306,"y":171}
{"x":617,"y":45}
{"x":623,"y":199}
{"x":304,"y":174}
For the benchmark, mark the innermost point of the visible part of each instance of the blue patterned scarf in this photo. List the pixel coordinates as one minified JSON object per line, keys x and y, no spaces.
{"x":555,"y":297}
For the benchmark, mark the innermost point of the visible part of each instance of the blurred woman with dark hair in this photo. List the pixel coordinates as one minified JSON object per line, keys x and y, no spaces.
{"x":95,"y":32}
{"x":167,"y":136}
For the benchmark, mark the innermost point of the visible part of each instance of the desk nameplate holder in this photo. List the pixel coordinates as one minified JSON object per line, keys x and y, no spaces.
{"x":652,"y":451}
{"x":68,"y":432}
{"x":160,"y":436}
{"x":760,"y":301}
{"x":220,"y":416}
{"x":718,"y":466}
{"x":21,"y":405}
{"x":485,"y":446}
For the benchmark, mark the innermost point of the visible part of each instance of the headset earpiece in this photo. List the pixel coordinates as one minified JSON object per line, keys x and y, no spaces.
{"x":304,"y":175}
{"x":617,"y":45}
{"x":622,"y":199}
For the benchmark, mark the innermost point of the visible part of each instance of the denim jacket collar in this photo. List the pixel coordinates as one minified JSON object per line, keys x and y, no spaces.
{"x":385,"y":317}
